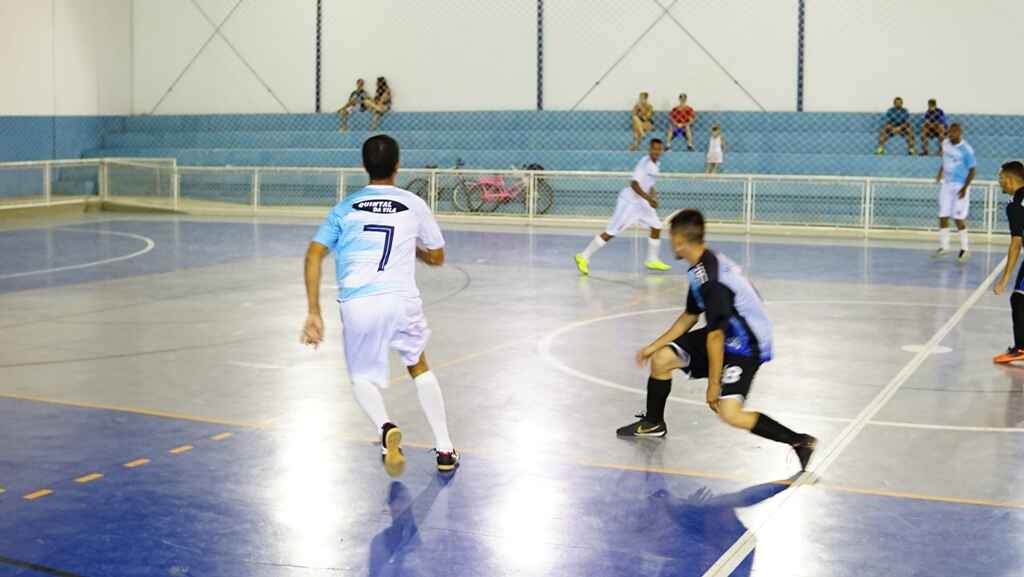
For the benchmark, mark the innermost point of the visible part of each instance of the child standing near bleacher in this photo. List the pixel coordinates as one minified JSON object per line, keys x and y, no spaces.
{"x":716,"y":150}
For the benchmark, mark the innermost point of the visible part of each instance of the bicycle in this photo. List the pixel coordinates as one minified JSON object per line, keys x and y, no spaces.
{"x":421,"y":188}
{"x":488,"y":193}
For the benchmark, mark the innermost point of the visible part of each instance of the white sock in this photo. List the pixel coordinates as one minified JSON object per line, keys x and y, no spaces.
{"x":432,"y":402}
{"x":653,"y":246}
{"x":594,"y":246}
{"x":963,"y":240}
{"x":944,"y":238}
{"x":371,"y":401}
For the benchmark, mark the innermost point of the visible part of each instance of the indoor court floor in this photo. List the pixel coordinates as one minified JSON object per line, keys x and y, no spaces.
{"x":161,"y":418}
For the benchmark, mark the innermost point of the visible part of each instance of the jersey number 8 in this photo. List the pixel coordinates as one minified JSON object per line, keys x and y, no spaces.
{"x":732,"y":375}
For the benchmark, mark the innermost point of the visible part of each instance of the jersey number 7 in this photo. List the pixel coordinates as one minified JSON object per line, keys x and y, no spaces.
{"x":389,"y":237}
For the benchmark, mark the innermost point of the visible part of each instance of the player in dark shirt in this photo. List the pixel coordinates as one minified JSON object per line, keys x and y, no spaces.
{"x":1011,"y":179}
{"x":728,"y":351}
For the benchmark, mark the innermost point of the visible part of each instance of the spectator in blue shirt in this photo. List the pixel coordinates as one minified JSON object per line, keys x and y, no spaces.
{"x":934,"y":126}
{"x":897,"y":121}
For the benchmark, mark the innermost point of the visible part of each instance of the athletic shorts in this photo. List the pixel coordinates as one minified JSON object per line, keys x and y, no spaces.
{"x":374,"y":326}
{"x":1019,"y":287}
{"x":630,"y":209}
{"x":737,"y":373}
{"x":950,"y":203}
{"x":677,"y":131}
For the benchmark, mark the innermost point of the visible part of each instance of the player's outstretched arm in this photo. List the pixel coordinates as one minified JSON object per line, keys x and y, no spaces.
{"x":679,"y":328}
{"x":432,"y":257}
{"x":313,"y":328}
{"x":716,"y":360}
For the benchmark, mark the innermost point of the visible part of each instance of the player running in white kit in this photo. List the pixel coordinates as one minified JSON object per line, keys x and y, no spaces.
{"x":955,"y":174}
{"x":637,"y":203}
{"x":376,"y":236}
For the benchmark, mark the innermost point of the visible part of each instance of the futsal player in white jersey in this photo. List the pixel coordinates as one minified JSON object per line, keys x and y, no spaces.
{"x":955,"y":174}
{"x":637,"y":203}
{"x":376,"y":236}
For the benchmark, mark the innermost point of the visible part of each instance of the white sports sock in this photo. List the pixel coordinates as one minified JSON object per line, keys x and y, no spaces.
{"x":432,"y":402}
{"x":944,"y":238}
{"x":371,"y":401}
{"x":653,"y":249}
{"x":963,"y":240}
{"x":594,"y":246}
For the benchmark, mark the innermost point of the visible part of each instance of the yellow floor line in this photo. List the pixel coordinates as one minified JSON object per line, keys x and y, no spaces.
{"x":920,"y":497}
{"x":37,"y":495}
{"x":132,"y":410}
{"x":221,"y":436}
{"x":181,"y":449}
{"x":88,"y":478}
{"x":136,"y":463}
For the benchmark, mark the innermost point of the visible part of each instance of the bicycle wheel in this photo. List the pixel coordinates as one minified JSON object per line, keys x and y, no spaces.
{"x":545,"y":196}
{"x":460,"y":197}
{"x":479,"y":197}
{"x":420,"y":187}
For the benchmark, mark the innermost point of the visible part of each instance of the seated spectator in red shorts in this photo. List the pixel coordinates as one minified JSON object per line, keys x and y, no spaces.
{"x":680,"y":121}
{"x":934,"y":126}
{"x":897,"y":121}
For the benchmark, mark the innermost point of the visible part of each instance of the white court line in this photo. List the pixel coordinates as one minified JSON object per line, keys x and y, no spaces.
{"x":150,"y":243}
{"x":549,"y":357}
{"x":735,"y":555}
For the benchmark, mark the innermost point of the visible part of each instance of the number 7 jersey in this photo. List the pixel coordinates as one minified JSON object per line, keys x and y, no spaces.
{"x":373,"y":235}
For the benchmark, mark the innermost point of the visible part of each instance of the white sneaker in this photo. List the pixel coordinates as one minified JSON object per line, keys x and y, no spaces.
{"x":940,"y":252}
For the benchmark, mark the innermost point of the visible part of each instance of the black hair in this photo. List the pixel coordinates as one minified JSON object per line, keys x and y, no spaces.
{"x":380,"y":156}
{"x":657,"y":141}
{"x":1014,"y":167}
{"x":690,"y":224}
{"x":932,"y":101}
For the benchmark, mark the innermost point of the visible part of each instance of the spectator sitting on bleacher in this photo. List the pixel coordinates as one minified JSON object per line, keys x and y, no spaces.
{"x":380,"y":103}
{"x":356,"y":101}
{"x":934,"y":125}
{"x":897,"y":121}
{"x":642,"y":119}
{"x":680,"y":122}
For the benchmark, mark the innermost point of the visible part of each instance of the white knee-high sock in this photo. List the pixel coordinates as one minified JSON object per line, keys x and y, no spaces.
{"x":653,"y":248}
{"x":594,"y":246}
{"x":432,"y":402}
{"x":371,"y":401}
{"x":963,"y":240}
{"x":944,"y":238}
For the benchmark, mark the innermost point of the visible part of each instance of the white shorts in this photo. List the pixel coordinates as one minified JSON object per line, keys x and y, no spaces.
{"x":950,"y":203}
{"x":630,"y":209}
{"x":373,"y":326}
{"x":714,"y":158}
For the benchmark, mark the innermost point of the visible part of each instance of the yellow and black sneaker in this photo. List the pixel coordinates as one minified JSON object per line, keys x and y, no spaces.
{"x":643,"y":428}
{"x":391,"y":451}
{"x":447,"y":460}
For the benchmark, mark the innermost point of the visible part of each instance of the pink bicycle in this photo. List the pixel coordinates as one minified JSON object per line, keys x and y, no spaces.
{"x":488,"y":193}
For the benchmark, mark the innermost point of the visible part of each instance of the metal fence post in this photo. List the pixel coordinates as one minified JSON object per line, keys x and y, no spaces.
{"x":255,"y":190}
{"x":531,"y":197}
{"x":990,"y":211}
{"x":175,"y":187}
{"x":341,"y":185}
{"x":103,"y":177}
{"x":432,"y":190}
{"x":866,"y":208}
{"x":47,"y":185}
{"x":748,"y":203}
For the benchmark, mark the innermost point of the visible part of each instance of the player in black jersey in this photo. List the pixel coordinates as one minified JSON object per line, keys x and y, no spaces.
{"x":1011,"y":179}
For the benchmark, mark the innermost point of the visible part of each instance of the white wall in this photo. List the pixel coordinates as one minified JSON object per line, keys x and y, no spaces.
{"x":451,"y":55}
{"x":967,"y":55}
{"x":67,"y":57}
{"x":275,"y":37}
{"x":754,"y":41}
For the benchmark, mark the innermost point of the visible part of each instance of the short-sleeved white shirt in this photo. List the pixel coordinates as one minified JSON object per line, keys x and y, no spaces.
{"x":645,"y":173}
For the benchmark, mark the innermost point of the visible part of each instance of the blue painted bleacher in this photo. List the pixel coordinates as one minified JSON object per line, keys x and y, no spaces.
{"x":771,"y":142}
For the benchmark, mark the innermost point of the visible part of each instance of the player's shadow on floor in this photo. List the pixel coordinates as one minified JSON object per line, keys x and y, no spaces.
{"x":398,"y":543}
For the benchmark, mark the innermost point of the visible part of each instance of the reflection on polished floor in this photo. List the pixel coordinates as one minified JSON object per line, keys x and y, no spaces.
{"x":160,"y":418}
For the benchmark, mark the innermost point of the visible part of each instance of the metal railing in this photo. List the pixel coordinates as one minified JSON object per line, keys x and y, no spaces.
{"x":746,"y":200}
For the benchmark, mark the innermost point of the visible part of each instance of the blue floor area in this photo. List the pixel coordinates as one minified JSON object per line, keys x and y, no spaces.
{"x":186,"y":244}
{"x":326,"y":508}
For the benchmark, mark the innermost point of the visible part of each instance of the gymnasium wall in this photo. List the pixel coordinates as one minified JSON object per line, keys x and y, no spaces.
{"x":66,"y":65}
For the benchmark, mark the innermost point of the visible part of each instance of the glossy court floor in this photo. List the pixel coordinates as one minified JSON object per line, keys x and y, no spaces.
{"x":160,"y":418}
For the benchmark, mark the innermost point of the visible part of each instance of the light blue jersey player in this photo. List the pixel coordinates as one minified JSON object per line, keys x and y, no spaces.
{"x":376,"y":236}
{"x":955,"y":175}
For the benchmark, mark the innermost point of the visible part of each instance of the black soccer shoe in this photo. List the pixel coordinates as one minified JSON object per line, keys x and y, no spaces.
{"x":643,"y":428}
{"x":804,"y":449}
{"x":447,"y":461}
{"x":391,"y":450}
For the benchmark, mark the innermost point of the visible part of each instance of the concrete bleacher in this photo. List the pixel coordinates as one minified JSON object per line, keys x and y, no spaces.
{"x":760,"y":143}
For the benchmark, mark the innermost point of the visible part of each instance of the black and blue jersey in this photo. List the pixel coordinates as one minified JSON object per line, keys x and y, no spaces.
{"x":719,"y":289}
